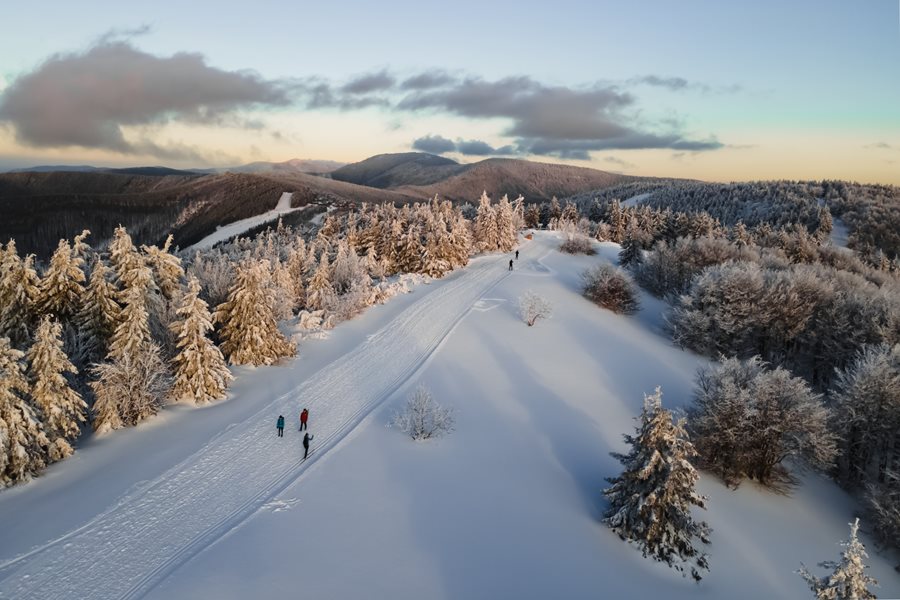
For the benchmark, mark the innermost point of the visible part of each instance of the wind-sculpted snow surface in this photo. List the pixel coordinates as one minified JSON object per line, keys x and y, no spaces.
{"x":125,"y":551}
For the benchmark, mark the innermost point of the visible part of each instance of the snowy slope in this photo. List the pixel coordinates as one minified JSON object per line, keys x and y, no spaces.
{"x":231,"y":230}
{"x":506,"y":506}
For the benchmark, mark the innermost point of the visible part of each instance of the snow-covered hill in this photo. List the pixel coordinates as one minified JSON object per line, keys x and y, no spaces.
{"x":210,"y":503}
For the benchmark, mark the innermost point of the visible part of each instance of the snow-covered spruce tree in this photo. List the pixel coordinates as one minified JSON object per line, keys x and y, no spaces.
{"x":533,"y":307}
{"x":848,"y":580}
{"x":506,"y":227}
{"x":166,"y":267}
{"x":438,"y":252}
{"x":866,"y":400}
{"x":650,"y":502}
{"x":123,"y":257}
{"x":533,"y":216}
{"x":132,"y":333}
{"x":319,"y":286}
{"x":201,"y":374}
{"x":249,"y":332}
{"x":631,"y":253}
{"x":100,"y":313}
{"x":423,"y":418}
{"x":746,"y":420}
{"x":19,"y":293}
{"x":23,"y":442}
{"x":129,"y":389}
{"x":62,"y":288}
{"x":610,"y":288}
{"x":408,"y":251}
{"x":486,"y":234}
{"x":61,"y":408}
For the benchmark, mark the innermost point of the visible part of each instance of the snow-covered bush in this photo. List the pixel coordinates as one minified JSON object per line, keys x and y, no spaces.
{"x":746,"y":420}
{"x":533,"y":307}
{"x":882,"y":503}
{"x":423,"y":418}
{"x":848,"y":580}
{"x":577,"y":244}
{"x":611,"y":288}
{"x":650,"y":502}
{"x":129,"y":389}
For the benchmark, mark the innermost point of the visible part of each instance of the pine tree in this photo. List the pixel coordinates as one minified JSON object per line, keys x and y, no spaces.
{"x":201,"y":374}
{"x":617,"y":222}
{"x":533,"y":216}
{"x":133,"y":331}
{"x":19,"y":293}
{"x":848,"y":581}
{"x":61,"y":407}
{"x":631,"y":253}
{"x":319,"y":285}
{"x":486,"y":239}
{"x":123,"y":257}
{"x":62,"y":287}
{"x":249,"y":331}
{"x":167,"y":270}
{"x":506,"y":229}
{"x":100,"y":313}
{"x":650,"y":502}
{"x":22,"y":438}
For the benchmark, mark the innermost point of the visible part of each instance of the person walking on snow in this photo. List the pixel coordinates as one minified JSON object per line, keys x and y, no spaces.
{"x":304,"y":416}
{"x":510,"y":264}
{"x":306,"y":440}
{"x":517,"y":255}
{"x":279,"y":424}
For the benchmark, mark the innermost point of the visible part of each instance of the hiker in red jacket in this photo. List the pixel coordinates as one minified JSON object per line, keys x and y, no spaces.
{"x":304,"y":416}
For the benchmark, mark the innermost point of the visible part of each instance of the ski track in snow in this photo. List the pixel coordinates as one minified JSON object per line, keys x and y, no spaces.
{"x":127,"y":550}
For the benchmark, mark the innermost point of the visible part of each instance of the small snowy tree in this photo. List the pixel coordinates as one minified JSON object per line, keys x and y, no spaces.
{"x":533,"y":307}
{"x":133,"y":331}
{"x":650,"y":502}
{"x":249,"y":331}
{"x":849,"y":580}
{"x":610,"y":288}
{"x":129,"y":389}
{"x":166,"y":267}
{"x":201,"y":374}
{"x":423,"y":418}
{"x":22,"y":440}
{"x":61,"y":408}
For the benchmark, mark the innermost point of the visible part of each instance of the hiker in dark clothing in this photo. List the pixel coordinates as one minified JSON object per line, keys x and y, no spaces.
{"x":280,"y":425}
{"x":517,"y":255}
{"x":304,"y":416}
{"x":510,"y":264}
{"x":306,"y":440}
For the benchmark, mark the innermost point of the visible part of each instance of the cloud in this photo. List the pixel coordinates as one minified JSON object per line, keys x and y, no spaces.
{"x":678,"y":84}
{"x":434,"y":144}
{"x":618,"y":161}
{"x":87,"y":99}
{"x":427,"y":80}
{"x":437,"y":144}
{"x":366,"y":84}
{"x":879,"y":146}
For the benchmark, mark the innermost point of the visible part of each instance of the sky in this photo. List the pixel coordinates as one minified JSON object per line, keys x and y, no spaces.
{"x":720,"y":91}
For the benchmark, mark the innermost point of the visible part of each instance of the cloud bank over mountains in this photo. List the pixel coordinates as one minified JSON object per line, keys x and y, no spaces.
{"x":89,"y":99}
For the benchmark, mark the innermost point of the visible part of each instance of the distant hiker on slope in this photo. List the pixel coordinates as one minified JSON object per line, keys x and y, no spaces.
{"x":279,"y":424}
{"x":517,"y":255}
{"x":510,"y":264}
{"x":304,"y":417}
{"x":306,"y":440}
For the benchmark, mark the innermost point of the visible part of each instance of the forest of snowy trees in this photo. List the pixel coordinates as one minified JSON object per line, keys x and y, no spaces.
{"x":110,"y":335}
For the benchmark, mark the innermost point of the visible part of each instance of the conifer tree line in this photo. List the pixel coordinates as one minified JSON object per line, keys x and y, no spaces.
{"x":109,"y":335}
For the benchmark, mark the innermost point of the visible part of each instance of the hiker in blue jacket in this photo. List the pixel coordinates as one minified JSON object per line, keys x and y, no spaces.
{"x":280,"y":425}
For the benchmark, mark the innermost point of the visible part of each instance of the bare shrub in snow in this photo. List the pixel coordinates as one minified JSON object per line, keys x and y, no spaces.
{"x":423,"y":418}
{"x":610,"y":288}
{"x":533,"y":307}
{"x":848,"y":580}
{"x":129,"y":389}
{"x":882,"y":502}
{"x":576,"y":242}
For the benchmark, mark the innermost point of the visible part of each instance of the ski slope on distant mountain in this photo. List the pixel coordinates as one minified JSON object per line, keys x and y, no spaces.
{"x":125,"y":551}
{"x":238,"y":227}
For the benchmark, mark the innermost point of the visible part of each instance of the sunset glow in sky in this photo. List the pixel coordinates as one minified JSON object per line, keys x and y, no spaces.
{"x":703,"y":89}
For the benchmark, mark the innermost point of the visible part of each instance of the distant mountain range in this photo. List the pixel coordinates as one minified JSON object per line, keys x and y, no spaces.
{"x":42,"y":204}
